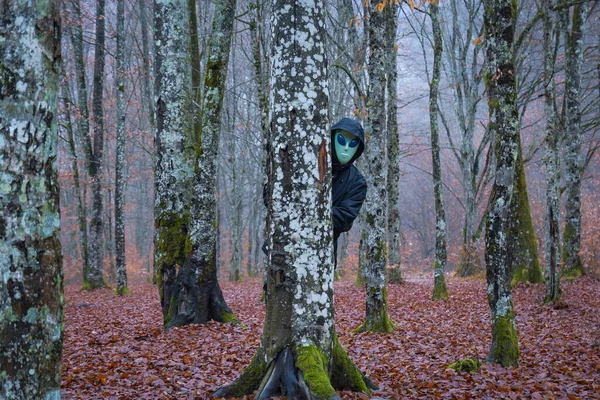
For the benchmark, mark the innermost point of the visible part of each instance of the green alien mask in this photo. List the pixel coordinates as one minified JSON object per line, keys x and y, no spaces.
{"x":346,"y":145}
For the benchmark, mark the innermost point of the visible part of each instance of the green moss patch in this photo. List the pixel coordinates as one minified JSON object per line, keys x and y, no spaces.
{"x":505,"y":344}
{"x":467,"y":365}
{"x":311,"y":361}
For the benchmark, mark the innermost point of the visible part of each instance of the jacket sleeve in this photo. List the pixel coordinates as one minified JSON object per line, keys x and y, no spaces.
{"x":346,"y":212}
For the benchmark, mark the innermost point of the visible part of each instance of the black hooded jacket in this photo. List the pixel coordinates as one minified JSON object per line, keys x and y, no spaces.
{"x":349,"y":187}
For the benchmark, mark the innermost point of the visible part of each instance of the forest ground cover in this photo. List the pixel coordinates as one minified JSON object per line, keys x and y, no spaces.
{"x":115,"y":347}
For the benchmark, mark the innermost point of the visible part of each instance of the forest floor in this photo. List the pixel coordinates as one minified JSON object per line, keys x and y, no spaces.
{"x":115,"y":347}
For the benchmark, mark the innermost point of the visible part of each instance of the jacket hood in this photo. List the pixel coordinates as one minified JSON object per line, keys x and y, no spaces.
{"x":351,"y":126}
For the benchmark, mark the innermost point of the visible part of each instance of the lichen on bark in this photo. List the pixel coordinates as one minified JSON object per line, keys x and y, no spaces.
{"x":31,"y":280}
{"x":501,"y":84}
{"x":295,"y":355}
{"x":373,"y":224}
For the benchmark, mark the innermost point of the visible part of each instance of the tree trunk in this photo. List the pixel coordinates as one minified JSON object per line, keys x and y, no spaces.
{"x":343,"y":249}
{"x":31,"y":290}
{"x":573,"y":157}
{"x":76,"y":32}
{"x":522,"y":237}
{"x":260,"y":61}
{"x":235,"y":268}
{"x":81,"y":209}
{"x":148,"y":98}
{"x":120,"y":162}
{"x":197,"y":297}
{"x":393,"y":146}
{"x":95,"y":278}
{"x":300,"y":356}
{"x":375,"y":242}
{"x":172,"y":171}
{"x":500,"y":78}
{"x":551,"y":231}
{"x":440,"y":290}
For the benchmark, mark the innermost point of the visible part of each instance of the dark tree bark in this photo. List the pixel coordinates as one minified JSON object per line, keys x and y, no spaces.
{"x":31,"y":300}
{"x":300,"y":355}
{"x":440,"y":290}
{"x":95,"y":278}
{"x":81,"y":209}
{"x":76,"y":33}
{"x":501,"y":83}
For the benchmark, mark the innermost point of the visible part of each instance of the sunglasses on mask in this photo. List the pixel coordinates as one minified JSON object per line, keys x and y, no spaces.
{"x":342,"y":141}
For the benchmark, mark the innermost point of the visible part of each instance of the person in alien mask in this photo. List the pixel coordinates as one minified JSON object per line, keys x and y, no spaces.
{"x":349,"y":187}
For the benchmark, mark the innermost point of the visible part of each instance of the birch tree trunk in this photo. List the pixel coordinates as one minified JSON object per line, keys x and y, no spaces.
{"x":552,"y":218}
{"x":120,"y":162}
{"x":393,"y":145}
{"x":95,"y":278}
{"x":300,"y":356}
{"x":172,"y":171}
{"x":84,"y":123}
{"x":500,"y":78}
{"x":573,"y":157}
{"x":375,"y":218}
{"x":440,"y":290}
{"x":31,"y":290}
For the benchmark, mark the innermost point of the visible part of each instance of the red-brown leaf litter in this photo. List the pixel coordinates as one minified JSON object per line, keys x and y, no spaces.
{"x":115,"y":347}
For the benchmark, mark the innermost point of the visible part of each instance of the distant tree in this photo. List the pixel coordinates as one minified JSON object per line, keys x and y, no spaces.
{"x":373,"y":233}
{"x":462,"y":62}
{"x":574,"y":160}
{"x":393,"y":144}
{"x":120,"y":163}
{"x":440,"y":290}
{"x":501,"y":83}
{"x":95,"y":277}
{"x":300,"y":355}
{"x":76,"y":33}
{"x":31,"y":288}
{"x":552,"y":217}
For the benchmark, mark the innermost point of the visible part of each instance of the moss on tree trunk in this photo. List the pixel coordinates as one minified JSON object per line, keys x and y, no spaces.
{"x":522,"y":237}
